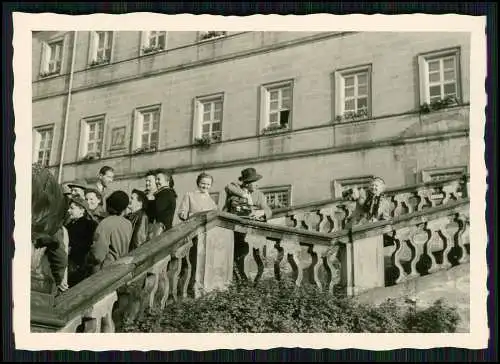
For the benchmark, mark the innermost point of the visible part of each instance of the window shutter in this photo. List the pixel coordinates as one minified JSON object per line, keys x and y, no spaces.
{"x":422,"y":69}
{"x":264,"y":108}
{"x":339,"y":94}
{"x":45,"y":58}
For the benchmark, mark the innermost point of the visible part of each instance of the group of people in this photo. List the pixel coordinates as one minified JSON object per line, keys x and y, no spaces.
{"x":86,"y":227}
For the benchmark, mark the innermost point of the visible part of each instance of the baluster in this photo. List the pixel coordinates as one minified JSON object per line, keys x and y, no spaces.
{"x":328,"y":223}
{"x":348,"y":208}
{"x":425,"y":195}
{"x":176,"y":268}
{"x":298,"y":219}
{"x":98,"y":318}
{"x":402,"y":201}
{"x":292,"y":250}
{"x":450,"y":191}
{"x":449,"y":229}
{"x":160,"y":292}
{"x":433,"y":228}
{"x":253,"y":261}
{"x":315,"y":252}
{"x":463,"y":236}
{"x":400,"y":238}
{"x":72,"y":325}
{"x":330,"y":258}
{"x":418,"y":239}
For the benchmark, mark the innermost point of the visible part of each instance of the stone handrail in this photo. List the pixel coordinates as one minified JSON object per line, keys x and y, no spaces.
{"x":211,"y":249}
{"x":331,"y":215}
{"x":161,"y":269}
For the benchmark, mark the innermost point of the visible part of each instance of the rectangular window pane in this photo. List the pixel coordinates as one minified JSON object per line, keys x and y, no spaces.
{"x":435,"y":91}
{"x":145,"y":139}
{"x":218,"y":106}
{"x":449,"y":75}
{"x":286,"y":92}
{"x":450,"y":89}
{"x":274,"y":95}
{"x":449,"y":63}
{"x":349,"y":92}
{"x":206,"y":117}
{"x":286,"y":103}
{"x":349,"y":105}
{"x":433,"y":65}
{"x":362,"y":103}
{"x":362,"y":79}
{"x":205,"y":128}
{"x":274,"y":105}
{"x":349,"y":81}
{"x":217,"y":115}
{"x":216,"y":126}
{"x":207,"y":107}
{"x":363,"y":90}
{"x":434,"y":77}
{"x":273,"y":118}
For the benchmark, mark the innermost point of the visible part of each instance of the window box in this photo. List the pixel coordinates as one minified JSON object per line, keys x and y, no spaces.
{"x":439,"y":104}
{"x":211,"y":35}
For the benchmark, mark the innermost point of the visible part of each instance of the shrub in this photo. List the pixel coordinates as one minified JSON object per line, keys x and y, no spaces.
{"x":280,"y":306}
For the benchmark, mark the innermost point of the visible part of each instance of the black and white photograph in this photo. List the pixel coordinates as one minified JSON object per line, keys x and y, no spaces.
{"x":203,"y":175}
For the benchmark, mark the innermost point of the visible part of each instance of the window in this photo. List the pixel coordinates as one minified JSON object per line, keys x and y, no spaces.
{"x":276,"y":105}
{"x":153,"y":41}
{"x":343,"y":184}
{"x":278,"y":197}
{"x":353,"y":90}
{"x":439,"y":76}
{"x":52,"y":56}
{"x":147,"y":128}
{"x":205,"y":35}
{"x":101,"y":44}
{"x":93,"y":137}
{"x":208,"y":117}
{"x":43,"y":145}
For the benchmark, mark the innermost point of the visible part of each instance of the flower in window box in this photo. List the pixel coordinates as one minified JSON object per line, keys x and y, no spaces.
{"x":212,"y":34}
{"x":204,"y":141}
{"x":91,"y":156}
{"x":99,"y":60}
{"x":152,"y":49}
{"x":48,"y":73}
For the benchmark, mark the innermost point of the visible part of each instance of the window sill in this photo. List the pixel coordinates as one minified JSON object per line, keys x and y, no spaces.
{"x":205,"y":40}
{"x":276,"y":131}
{"x":49,"y":75}
{"x":144,"y":151}
{"x":99,"y":64}
{"x":145,"y":53}
{"x":88,"y":160}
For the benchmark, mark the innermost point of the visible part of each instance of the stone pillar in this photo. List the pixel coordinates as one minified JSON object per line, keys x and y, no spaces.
{"x":214,"y":263}
{"x":368,"y":263}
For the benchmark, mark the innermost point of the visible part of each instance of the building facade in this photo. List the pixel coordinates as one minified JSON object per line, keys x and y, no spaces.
{"x":313,"y":112}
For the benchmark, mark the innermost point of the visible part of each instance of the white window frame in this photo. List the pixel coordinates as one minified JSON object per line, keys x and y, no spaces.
{"x":342,"y":184}
{"x":37,"y":136}
{"x":340,"y":97}
{"x":423,"y":63}
{"x":430,"y":173}
{"x":138,"y":128}
{"x":94,"y":58}
{"x":145,"y":37}
{"x":265,"y":101}
{"x":198,"y":116}
{"x":84,"y":136}
{"x":278,"y":189}
{"x":45,"y":62}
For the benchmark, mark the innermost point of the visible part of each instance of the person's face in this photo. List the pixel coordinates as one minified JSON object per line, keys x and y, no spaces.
{"x":205,"y":184}
{"x":150,"y":183}
{"x":252,"y":186}
{"x":77,"y":191}
{"x":135,"y":204}
{"x":161,"y":180}
{"x":377,"y":187}
{"x":107,"y":178}
{"x":92,"y":200}
{"x":75,"y":211}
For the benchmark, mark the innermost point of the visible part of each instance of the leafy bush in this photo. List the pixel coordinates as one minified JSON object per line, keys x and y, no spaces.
{"x":274,"y":306}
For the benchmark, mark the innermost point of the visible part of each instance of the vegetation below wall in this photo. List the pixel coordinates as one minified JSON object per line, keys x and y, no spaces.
{"x":273,"y":307}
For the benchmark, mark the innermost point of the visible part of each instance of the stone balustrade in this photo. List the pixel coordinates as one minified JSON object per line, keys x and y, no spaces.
{"x":331,"y":215}
{"x":212,"y":249}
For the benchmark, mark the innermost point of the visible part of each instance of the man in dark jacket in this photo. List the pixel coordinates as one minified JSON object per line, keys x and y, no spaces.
{"x":165,"y":199}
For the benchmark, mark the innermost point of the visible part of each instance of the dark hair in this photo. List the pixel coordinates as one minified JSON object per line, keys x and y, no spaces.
{"x":48,"y":204}
{"x":167,"y":174}
{"x":203,"y":175}
{"x":141,"y":196}
{"x":151,"y":172}
{"x":105,"y":169}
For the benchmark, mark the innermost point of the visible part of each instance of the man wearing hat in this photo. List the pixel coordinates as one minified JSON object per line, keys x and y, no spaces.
{"x":243,"y":198}
{"x":78,"y":188}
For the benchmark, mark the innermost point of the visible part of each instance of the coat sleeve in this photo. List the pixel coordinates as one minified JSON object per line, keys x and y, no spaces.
{"x":165,"y":208}
{"x":263,"y":205}
{"x":235,"y":189}
{"x":142,"y":233}
{"x":100,"y":246}
{"x":57,"y":255}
